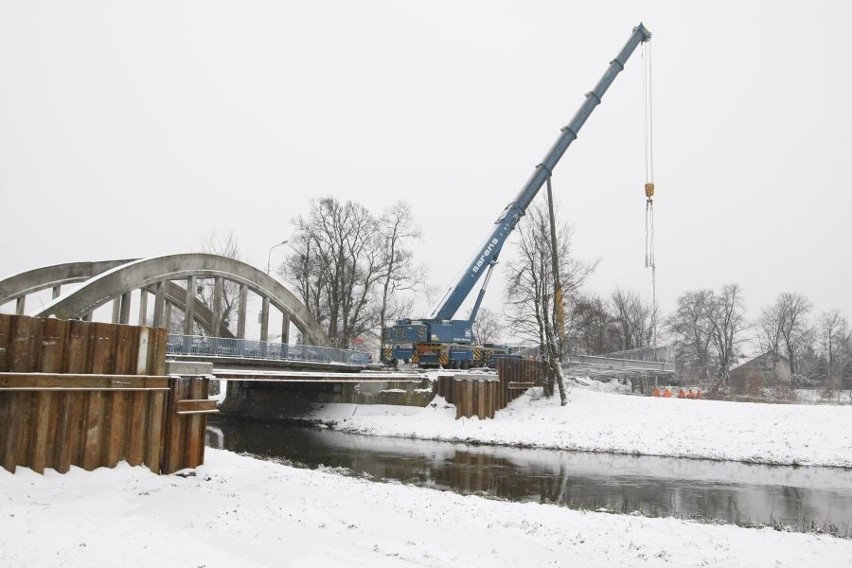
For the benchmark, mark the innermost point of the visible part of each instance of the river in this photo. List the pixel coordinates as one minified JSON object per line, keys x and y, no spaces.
{"x":795,"y":498}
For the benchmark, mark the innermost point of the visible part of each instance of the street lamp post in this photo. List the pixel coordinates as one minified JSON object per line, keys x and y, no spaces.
{"x":269,"y":257}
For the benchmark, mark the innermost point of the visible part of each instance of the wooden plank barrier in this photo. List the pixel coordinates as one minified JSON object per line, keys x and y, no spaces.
{"x":483,"y":395}
{"x":184,"y":435}
{"x":47,"y":345}
{"x":93,"y":394}
{"x":59,"y":420}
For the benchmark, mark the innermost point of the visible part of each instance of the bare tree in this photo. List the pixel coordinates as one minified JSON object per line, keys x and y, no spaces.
{"x":727,"y":324}
{"x":769,"y":329}
{"x":784,"y":325}
{"x":227,"y":245}
{"x":634,"y":318}
{"x":530,"y":293}
{"x":527,"y":292}
{"x":337,"y":266}
{"x":832,"y":331}
{"x":692,"y":329}
{"x":487,"y":327}
{"x":351,"y":268}
{"x":844,"y":361}
{"x":593,"y":329}
{"x":395,"y":227}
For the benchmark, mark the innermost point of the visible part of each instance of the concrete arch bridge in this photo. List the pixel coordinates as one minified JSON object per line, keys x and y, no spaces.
{"x":160,"y":285}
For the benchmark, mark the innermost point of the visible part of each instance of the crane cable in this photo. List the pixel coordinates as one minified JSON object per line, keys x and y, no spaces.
{"x":649,"y":181}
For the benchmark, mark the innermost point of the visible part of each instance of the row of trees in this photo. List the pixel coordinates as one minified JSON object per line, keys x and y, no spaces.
{"x":351,"y":268}
{"x":709,"y":327}
{"x":355,"y":272}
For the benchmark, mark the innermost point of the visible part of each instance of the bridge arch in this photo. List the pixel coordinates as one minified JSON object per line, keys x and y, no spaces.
{"x":19,"y":286}
{"x":156,"y":275}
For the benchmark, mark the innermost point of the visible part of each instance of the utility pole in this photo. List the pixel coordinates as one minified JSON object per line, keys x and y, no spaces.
{"x":556,"y":334}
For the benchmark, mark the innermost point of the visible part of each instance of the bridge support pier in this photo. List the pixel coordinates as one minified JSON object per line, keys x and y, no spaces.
{"x":218,"y":292}
{"x":160,"y":306}
{"x":124,"y":314}
{"x":285,"y":329}
{"x":189,"y":312}
{"x":143,"y":307}
{"x":116,"y":310}
{"x":241,"y":322}
{"x":264,"y":320}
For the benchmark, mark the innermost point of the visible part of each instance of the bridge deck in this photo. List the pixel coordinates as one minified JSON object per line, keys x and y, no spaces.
{"x":314,"y":377}
{"x":272,"y":365}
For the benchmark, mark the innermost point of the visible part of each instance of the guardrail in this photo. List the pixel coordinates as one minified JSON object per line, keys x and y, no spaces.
{"x":618,"y":363}
{"x":204,"y":346}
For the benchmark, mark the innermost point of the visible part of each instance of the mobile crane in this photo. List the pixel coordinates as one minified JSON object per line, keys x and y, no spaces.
{"x":443,"y":341}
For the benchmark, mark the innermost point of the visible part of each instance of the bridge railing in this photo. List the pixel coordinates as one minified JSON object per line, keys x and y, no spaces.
{"x":657,"y":354}
{"x":249,"y":349}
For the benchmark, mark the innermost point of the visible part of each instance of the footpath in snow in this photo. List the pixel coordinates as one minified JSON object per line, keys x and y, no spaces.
{"x":782,"y":434}
{"x":240,"y":511}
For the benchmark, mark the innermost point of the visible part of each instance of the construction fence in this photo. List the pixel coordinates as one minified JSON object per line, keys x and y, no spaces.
{"x":483,"y":395}
{"x":86,"y":394}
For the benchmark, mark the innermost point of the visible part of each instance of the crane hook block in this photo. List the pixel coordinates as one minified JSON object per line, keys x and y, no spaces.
{"x":649,"y":190}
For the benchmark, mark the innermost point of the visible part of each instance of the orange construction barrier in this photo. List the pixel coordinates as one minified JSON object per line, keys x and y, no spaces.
{"x":690,"y":394}
{"x":681,"y":393}
{"x":655,"y":392}
{"x":698,"y":394}
{"x":667,"y":393}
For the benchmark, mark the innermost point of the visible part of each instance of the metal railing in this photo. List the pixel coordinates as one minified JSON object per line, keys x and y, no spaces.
{"x":658,"y":354}
{"x":204,"y":346}
{"x":605,"y":361}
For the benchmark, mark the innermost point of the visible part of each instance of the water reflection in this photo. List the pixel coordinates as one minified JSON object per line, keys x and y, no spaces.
{"x":802,"y":498}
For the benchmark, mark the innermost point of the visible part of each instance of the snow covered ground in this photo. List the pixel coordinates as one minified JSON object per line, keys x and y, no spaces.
{"x":239,"y":511}
{"x":600,"y":421}
{"x":818,"y":396}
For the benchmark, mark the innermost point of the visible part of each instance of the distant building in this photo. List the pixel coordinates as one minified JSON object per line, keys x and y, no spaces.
{"x":766,"y":370}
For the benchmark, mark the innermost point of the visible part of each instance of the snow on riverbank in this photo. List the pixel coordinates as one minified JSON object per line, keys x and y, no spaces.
{"x":786,"y":434}
{"x":239,"y":511}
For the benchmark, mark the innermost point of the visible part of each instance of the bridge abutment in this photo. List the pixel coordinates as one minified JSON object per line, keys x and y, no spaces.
{"x":266,"y":400}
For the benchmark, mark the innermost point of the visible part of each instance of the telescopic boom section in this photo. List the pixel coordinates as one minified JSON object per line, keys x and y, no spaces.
{"x":517,"y":208}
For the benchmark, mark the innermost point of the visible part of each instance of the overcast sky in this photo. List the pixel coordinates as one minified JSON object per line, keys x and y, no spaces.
{"x":132,"y":129}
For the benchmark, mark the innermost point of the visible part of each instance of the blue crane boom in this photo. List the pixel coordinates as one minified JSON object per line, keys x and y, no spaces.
{"x":440,"y":327}
{"x":517,"y":207}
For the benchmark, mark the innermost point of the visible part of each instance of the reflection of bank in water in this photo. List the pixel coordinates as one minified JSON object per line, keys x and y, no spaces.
{"x":802,"y":498}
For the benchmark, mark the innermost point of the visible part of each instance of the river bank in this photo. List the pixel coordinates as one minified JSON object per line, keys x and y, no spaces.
{"x":240,"y":511}
{"x":599,"y":421}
